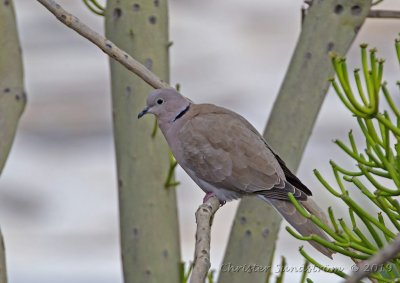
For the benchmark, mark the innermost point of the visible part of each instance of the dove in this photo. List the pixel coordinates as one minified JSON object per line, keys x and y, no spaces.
{"x":228,"y":158}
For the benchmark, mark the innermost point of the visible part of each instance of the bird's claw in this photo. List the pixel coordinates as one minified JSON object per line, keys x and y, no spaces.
{"x":209,"y":195}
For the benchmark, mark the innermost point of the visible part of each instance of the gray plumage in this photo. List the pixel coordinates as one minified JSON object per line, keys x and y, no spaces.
{"x":226,"y":156}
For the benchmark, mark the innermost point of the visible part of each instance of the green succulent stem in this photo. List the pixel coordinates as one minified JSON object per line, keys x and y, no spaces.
{"x":304,"y":272}
{"x":279,"y":278}
{"x":325,"y":183}
{"x":94,"y":7}
{"x":363,"y":214}
{"x":320,"y":266}
{"x":390,"y":100}
{"x":169,"y":182}
{"x":155,"y":128}
{"x":333,"y":220}
{"x":377,"y":176}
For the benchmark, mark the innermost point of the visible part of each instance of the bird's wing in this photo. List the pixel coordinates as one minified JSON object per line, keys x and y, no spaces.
{"x":290,"y":177}
{"x":223,"y":149}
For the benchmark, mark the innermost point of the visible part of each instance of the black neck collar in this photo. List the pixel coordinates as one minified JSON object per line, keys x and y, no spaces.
{"x":183,"y":112}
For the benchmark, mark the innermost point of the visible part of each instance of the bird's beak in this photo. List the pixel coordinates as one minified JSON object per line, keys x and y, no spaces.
{"x":144,"y":112}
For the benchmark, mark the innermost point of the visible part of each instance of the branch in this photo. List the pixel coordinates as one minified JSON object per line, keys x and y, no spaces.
{"x":386,"y":14}
{"x":201,"y":262}
{"x":383,"y":256}
{"x":104,"y":44}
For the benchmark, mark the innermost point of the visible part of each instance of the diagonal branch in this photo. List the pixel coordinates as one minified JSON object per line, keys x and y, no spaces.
{"x":201,"y":262}
{"x":384,"y":14}
{"x":383,"y":256}
{"x":104,"y":44}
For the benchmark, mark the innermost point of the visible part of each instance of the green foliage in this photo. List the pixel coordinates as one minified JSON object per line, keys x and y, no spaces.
{"x":186,"y":271}
{"x":279,"y":278}
{"x":170,"y":181}
{"x":94,"y":6}
{"x":377,"y":176}
{"x":304,"y":273}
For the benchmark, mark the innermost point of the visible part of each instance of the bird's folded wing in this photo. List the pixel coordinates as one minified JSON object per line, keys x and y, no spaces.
{"x":223,"y":149}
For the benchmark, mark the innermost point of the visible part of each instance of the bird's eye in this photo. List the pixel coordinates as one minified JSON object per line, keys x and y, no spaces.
{"x":160,"y":101}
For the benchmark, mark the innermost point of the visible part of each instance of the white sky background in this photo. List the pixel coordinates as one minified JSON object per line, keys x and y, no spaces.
{"x":58,"y":195}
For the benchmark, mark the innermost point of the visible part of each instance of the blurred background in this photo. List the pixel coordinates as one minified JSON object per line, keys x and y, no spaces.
{"x":58,"y":193}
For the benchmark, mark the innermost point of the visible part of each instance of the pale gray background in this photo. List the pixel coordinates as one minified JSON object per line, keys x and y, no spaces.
{"x":58,"y":195}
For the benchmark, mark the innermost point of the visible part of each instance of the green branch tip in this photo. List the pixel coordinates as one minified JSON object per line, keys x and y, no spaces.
{"x":304,"y":273}
{"x":169,"y":182}
{"x":296,"y":235}
{"x":333,"y":55}
{"x":299,"y":207}
{"x":279,"y":278}
{"x":320,"y":266}
{"x":333,"y":220}
{"x":94,"y":7}
{"x":325,"y":183}
{"x":155,"y":128}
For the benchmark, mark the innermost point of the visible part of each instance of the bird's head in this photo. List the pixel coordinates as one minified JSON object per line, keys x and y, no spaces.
{"x":166,"y":104}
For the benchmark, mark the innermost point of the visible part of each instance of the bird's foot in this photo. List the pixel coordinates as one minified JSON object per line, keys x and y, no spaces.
{"x":209,"y":195}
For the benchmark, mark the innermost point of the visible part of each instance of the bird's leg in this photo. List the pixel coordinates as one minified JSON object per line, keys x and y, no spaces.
{"x":209,"y":195}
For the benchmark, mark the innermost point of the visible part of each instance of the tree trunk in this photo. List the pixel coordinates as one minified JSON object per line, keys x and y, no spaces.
{"x":149,"y":229}
{"x":12,"y":95}
{"x":328,"y":26}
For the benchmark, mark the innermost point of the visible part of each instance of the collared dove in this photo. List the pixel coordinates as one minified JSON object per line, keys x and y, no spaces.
{"x":227,"y":157}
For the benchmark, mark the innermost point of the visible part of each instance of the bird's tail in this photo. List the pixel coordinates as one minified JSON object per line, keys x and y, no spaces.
{"x":303,"y":225}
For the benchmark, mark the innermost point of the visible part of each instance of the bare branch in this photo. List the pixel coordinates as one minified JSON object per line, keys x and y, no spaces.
{"x":201,"y":263}
{"x":381,"y":257}
{"x":308,"y":2}
{"x":384,"y":14}
{"x":104,"y":44}
{"x":376,"y":2}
